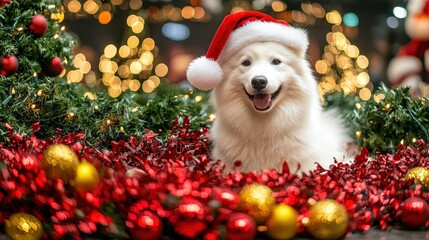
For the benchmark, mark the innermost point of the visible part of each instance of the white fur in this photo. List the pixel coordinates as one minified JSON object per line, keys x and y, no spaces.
{"x":415,"y":6}
{"x":295,"y":128}
{"x":402,"y":65}
{"x":417,"y":26}
{"x":204,"y":74}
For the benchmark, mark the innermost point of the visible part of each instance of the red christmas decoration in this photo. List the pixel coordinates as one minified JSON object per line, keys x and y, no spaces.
{"x":39,"y":25}
{"x":179,"y":187}
{"x":8,"y":65}
{"x":226,"y":197}
{"x":4,"y":2}
{"x":189,"y":218}
{"x":240,"y":226}
{"x":415,"y":212}
{"x":145,"y":225}
{"x":54,"y":68}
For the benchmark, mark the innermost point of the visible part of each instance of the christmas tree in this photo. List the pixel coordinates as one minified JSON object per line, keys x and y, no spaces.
{"x":33,"y":51}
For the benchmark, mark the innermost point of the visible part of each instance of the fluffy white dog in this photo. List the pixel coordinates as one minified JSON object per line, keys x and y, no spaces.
{"x":268,"y":108}
{"x":266,"y":102}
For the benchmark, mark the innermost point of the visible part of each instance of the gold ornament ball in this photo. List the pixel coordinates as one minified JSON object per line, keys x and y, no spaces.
{"x":59,"y":161}
{"x":257,"y":200}
{"x":86,"y":176}
{"x":327,"y":220}
{"x":419,"y":174}
{"x":23,"y":226}
{"x":283,"y":222}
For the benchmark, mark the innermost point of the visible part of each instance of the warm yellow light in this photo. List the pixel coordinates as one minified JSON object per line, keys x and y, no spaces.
{"x":104,"y":17}
{"x":133,"y":41}
{"x":91,"y":96}
{"x":57,"y":16}
{"x":188,"y":12}
{"x":124,"y":71}
{"x":137,"y":27}
{"x":90,"y":79}
{"x":148,"y":86}
{"x":124,"y":51}
{"x":321,"y":66}
{"x":134,"y":85}
{"x":105,"y":65}
{"x":358,"y":133}
{"x":362,"y":62}
{"x":110,"y":51}
{"x":318,"y":10}
{"x":131,"y":19}
{"x":148,"y":44}
{"x":199,"y":13}
{"x":90,"y":7}
{"x":146,"y":58}
{"x":161,"y":70}
{"x":114,"y":91}
{"x":135,"y":67}
{"x":378,"y":97}
{"x":362,"y":79}
{"x":74,"y":6}
{"x":365,"y":94}
{"x":85,"y":68}
{"x":352,"y":51}
{"x":334,"y":17}
{"x":155,"y":80}
{"x":278,"y":6}
{"x":136,"y":4}
{"x":198,"y":98}
{"x":115,"y":81}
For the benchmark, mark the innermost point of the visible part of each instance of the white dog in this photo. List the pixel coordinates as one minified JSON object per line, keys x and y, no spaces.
{"x":266,"y":103}
{"x":268,"y":109}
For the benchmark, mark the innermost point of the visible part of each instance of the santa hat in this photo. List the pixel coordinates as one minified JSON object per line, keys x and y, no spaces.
{"x":238,"y":30}
{"x":418,"y":7}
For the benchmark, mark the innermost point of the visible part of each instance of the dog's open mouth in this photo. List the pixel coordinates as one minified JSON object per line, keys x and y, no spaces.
{"x":263,"y":101}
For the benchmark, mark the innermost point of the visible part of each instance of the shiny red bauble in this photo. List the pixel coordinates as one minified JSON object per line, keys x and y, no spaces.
{"x":147,"y":226}
{"x":4,"y":2}
{"x":240,"y":226}
{"x":414,"y":212}
{"x":8,"y":65}
{"x":39,"y":25}
{"x":54,"y":68}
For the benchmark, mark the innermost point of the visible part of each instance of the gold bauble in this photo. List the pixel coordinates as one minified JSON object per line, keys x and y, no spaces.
{"x":60,"y":162}
{"x":23,"y":226}
{"x":419,"y":174}
{"x":283,"y":222}
{"x":257,"y":200}
{"x":327,"y":220}
{"x":86,"y":176}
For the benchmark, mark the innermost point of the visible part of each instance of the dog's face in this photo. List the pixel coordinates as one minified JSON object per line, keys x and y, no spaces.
{"x":263,"y":77}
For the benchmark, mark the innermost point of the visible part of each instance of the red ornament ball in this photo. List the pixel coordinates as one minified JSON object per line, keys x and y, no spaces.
{"x":54,"y":68}
{"x":188,"y":218}
{"x":4,"y":2}
{"x":8,"y":65}
{"x":240,"y":226}
{"x":38,"y":25}
{"x":147,"y":226}
{"x":415,"y":212}
{"x":227,"y":198}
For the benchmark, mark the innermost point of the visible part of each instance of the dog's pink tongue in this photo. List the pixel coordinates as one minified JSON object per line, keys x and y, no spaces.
{"x":261,"y":101}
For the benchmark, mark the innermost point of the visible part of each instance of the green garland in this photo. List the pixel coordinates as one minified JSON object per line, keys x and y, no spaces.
{"x":382,"y":126}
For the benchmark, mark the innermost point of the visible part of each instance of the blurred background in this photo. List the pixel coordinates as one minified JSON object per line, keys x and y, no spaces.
{"x":142,"y":45}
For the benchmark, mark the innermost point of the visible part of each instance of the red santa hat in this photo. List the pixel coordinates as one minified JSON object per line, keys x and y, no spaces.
{"x":238,"y":30}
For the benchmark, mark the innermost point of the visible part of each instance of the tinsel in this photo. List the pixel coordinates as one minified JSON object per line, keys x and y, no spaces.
{"x":146,"y":178}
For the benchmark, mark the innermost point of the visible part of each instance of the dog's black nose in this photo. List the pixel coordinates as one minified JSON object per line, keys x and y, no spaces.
{"x":259,"y":82}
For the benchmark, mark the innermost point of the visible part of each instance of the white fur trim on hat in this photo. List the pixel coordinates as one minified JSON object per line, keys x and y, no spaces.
{"x":260,"y":31}
{"x":402,"y":65}
{"x":415,"y":6}
{"x":204,"y":73}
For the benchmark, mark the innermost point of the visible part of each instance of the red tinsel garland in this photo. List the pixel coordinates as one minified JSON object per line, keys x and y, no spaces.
{"x":148,"y":180}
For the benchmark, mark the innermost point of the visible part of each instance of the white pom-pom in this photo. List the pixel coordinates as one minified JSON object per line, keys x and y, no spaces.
{"x":204,"y":73}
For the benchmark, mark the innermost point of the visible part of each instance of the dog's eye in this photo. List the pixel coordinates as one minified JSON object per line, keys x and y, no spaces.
{"x":246,"y":63}
{"x":276,"y":61}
